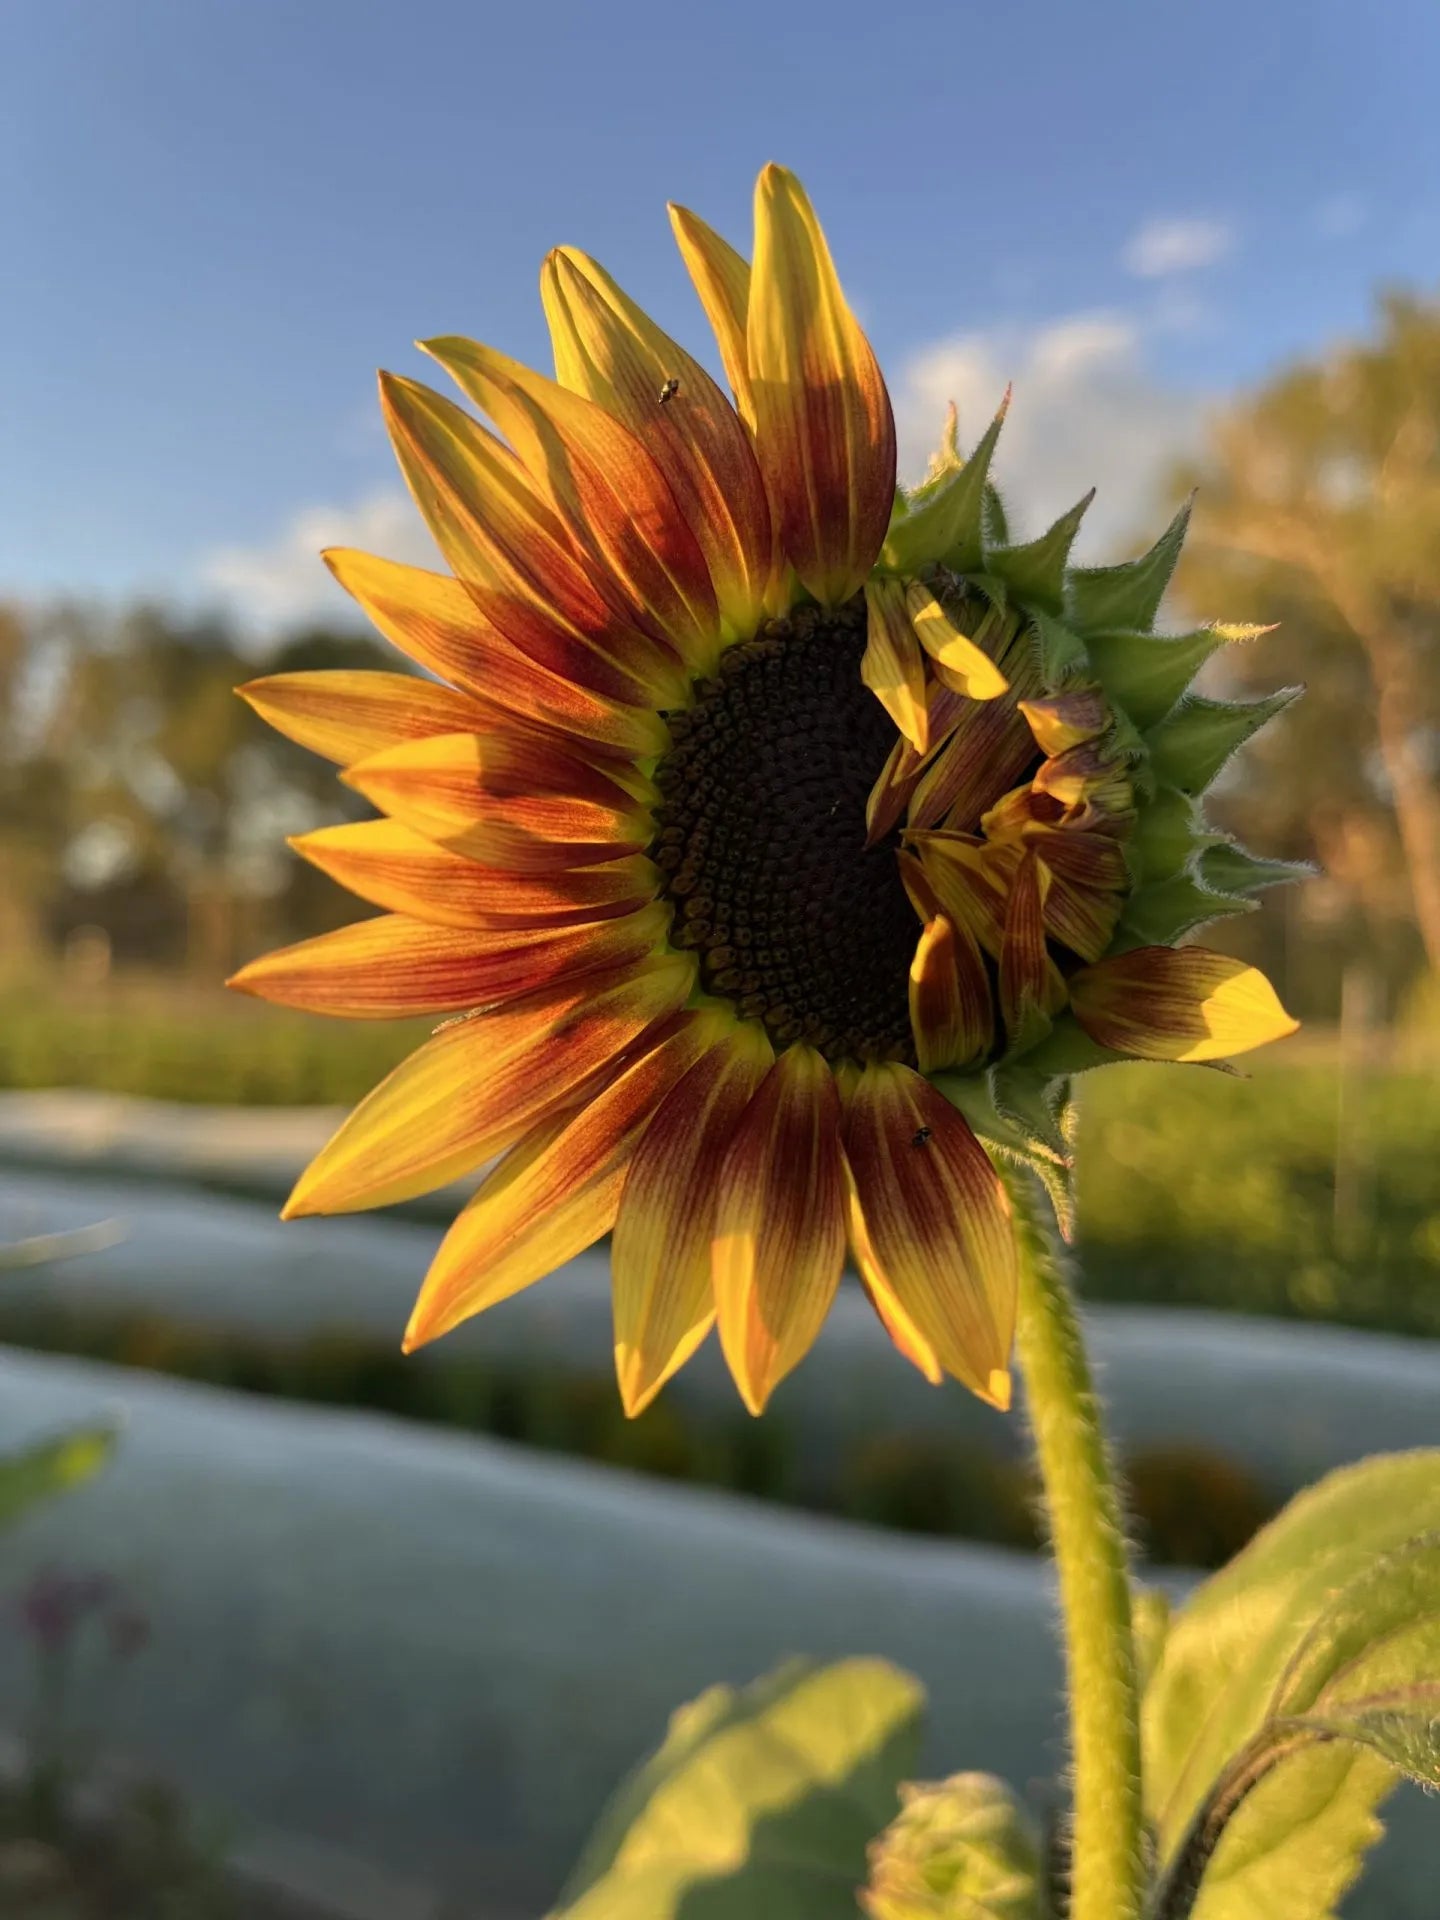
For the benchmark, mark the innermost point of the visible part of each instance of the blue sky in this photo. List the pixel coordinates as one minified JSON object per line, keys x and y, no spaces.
{"x":218,"y":218}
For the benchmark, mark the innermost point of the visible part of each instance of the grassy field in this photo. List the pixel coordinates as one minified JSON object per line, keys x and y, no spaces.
{"x":1300,"y":1190}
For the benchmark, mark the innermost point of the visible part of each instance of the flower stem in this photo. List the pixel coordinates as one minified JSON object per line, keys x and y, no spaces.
{"x":1083,"y":1512}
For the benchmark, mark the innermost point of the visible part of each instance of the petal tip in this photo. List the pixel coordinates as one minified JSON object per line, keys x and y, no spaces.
{"x":998,"y":1389}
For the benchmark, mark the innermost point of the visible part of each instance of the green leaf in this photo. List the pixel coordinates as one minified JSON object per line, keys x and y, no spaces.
{"x":1191,"y":747}
{"x":1101,"y":599}
{"x":759,"y":1802}
{"x":961,"y":1849}
{"x":54,"y":1466}
{"x":1231,"y":869}
{"x":1297,"y":1841}
{"x":1035,"y":572}
{"x":948,"y":525}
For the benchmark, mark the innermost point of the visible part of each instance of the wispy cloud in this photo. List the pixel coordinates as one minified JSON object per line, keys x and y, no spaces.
{"x":1340,"y":215}
{"x":1087,"y":412}
{"x":1163,"y":247}
{"x":283,"y":582}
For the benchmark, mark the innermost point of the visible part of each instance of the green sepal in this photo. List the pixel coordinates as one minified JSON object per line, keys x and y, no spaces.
{"x":1063,"y":659}
{"x":1025,"y":1118}
{"x":994,"y":521}
{"x":1070,"y":1050}
{"x":1193,"y":744}
{"x":1229,"y":868}
{"x":1156,"y":916}
{"x":1101,"y":599}
{"x":947,"y":526}
{"x":1036,"y":570}
{"x":961,"y":1849}
{"x":1170,"y":831}
{"x":1146,"y":673}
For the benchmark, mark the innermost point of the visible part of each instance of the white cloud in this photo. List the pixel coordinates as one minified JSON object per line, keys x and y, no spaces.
{"x":1087,"y":411}
{"x":1341,"y":215}
{"x":1163,"y":247}
{"x":283,"y":582}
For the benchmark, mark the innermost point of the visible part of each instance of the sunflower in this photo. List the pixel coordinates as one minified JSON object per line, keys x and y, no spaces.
{"x":780,"y":840}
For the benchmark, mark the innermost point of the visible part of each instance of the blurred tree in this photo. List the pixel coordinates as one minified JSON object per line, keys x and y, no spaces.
{"x":1320,"y":507}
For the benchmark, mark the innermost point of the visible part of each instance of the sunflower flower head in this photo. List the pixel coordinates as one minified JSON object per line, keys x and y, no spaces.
{"x":779,"y":841}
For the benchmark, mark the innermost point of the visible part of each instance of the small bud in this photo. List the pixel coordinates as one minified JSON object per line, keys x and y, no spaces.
{"x":959,"y":1847}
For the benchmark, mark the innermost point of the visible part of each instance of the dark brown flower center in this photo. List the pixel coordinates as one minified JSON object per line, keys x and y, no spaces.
{"x":761,"y":839}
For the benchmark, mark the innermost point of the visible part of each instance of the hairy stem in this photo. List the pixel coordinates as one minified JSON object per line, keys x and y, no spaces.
{"x":1083,"y":1513}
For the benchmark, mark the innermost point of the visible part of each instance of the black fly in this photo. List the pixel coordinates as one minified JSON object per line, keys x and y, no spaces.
{"x":920,"y":1137}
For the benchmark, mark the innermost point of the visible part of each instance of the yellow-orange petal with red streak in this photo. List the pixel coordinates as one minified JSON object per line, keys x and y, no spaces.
{"x":989,"y":750}
{"x":779,"y":1224}
{"x":824,"y":430}
{"x":971,"y":881}
{"x":722,"y":279}
{"x":479,"y":1085}
{"x":952,"y":1014}
{"x":664,"y":1298}
{"x":435,"y":622}
{"x":394,"y":967}
{"x":348,"y":716}
{"x":555,"y":1192}
{"x":934,"y":1233}
{"x":1178,"y":1003}
{"x":609,"y":349}
{"x":608,"y":492}
{"x":1060,"y":721}
{"x":1032,"y":988}
{"x":905,"y":1336}
{"x":893,"y":667}
{"x":392,"y":866}
{"x":512,"y":801}
{"x":513,"y":555}
{"x":960,"y":664}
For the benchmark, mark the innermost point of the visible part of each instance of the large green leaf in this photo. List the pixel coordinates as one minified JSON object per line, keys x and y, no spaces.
{"x":1252,"y":1647}
{"x":760,"y":1804}
{"x":50,"y":1468}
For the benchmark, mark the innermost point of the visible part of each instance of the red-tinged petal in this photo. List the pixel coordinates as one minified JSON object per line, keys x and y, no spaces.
{"x":1020,"y":814}
{"x":607,"y":491}
{"x":823,"y":426}
{"x":392,"y":866}
{"x":902,"y":772}
{"x":556,"y":1191}
{"x":511,"y":801}
{"x":951,"y":1012}
{"x":989,"y":751}
{"x":1060,"y":721}
{"x":435,"y":621}
{"x":1032,"y":988}
{"x":905,"y":1336}
{"x":1178,"y":1003}
{"x":514,"y":557}
{"x":1092,"y":860}
{"x":607,"y":348}
{"x":349,"y":716}
{"x":1088,"y":882}
{"x":1086,"y":774}
{"x":722,"y":280}
{"x":930,"y":1228}
{"x":960,"y":664}
{"x":971,"y":881}
{"x":660,"y":1255}
{"x":479,"y":1085}
{"x":779,"y":1224}
{"x":893,"y":666}
{"x":393,"y":967}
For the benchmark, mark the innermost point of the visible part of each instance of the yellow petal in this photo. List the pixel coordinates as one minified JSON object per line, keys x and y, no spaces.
{"x":509,"y":548}
{"x":555,"y":1193}
{"x":722,"y":280}
{"x":1178,"y":1003}
{"x":390,"y":865}
{"x":512,"y":801}
{"x":779,"y":1224}
{"x":1060,"y":721}
{"x":608,"y":349}
{"x":951,"y":1011}
{"x":433,"y":620}
{"x":394,"y":967}
{"x":961,"y":664}
{"x":823,"y":425}
{"x":348,"y":716}
{"x":660,"y":1255}
{"x":893,"y":667}
{"x":930,"y":1227}
{"x":609,"y":494}
{"x":481,"y":1084}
